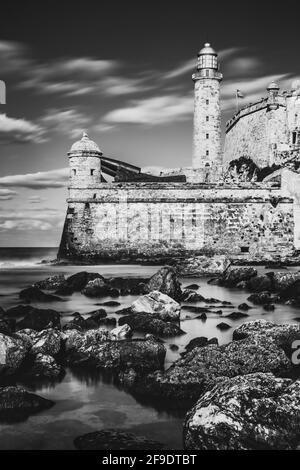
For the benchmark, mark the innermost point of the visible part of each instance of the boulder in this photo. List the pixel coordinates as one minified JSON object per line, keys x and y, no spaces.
{"x":121,"y":332}
{"x":129,"y":285}
{"x":78,"y":281}
{"x":192,"y":287}
{"x":223,"y":326}
{"x":51,"y":283}
{"x":148,"y":323}
{"x":44,"y":366}
{"x":237,"y":315}
{"x":259,"y":284}
{"x":199,"y":342}
{"x":166,"y":282}
{"x":46,"y":342}
{"x":203,"y":266}
{"x":110,"y":303}
{"x":16,"y":403}
{"x":234,"y":275}
{"x":7,"y":325}
{"x":260,"y":298}
{"x":244,"y":307}
{"x":269,"y":307}
{"x":283,"y":280}
{"x":34,"y":294}
{"x":40,"y":319}
{"x":292,"y":293}
{"x":159,"y":304}
{"x":19,"y":311}
{"x":251,"y":412}
{"x":96,"y":288}
{"x":191,"y":296}
{"x":115,"y":439}
{"x":12,"y":353}
{"x":108,"y":321}
{"x":64,"y":290}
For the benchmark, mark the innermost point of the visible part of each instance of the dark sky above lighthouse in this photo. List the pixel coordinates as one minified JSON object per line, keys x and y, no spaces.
{"x":121,"y":70}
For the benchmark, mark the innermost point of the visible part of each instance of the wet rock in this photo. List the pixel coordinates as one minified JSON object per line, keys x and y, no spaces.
{"x":192,"y":287}
{"x":51,"y":283}
{"x":44,"y":366}
{"x":96,"y":288}
{"x":237,"y":315}
{"x":16,"y":403}
{"x":12,"y":353}
{"x":2,"y":312}
{"x":89,"y":323}
{"x":7,"y":325}
{"x":282,"y":281}
{"x":223,"y":326}
{"x":214,"y":301}
{"x":121,"y":332}
{"x":110,"y":303}
{"x":34,"y":294}
{"x":19,"y":311}
{"x":174,"y":347}
{"x":195,"y":309}
{"x":148,"y":323}
{"x":203,"y":265}
{"x":124,"y":311}
{"x":130,"y":285}
{"x":64,"y":290}
{"x":46,"y":342}
{"x":94,"y":348}
{"x":218,"y":312}
{"x":40,"y":319}
{"x":244,"y":307}
{"x":166,"y":282}
{"x":259,"y":284}
{"x":260,"y":298}
{"x":191,"y":296}
{"x":253,"y":412}
{"x":113,"y":292}
{"x":292,"y":293}
{"x":269,"y":307}
{"x":234,"y":275}
{"x":78,"y":281}
{"x":199,"y":342}
{"x":115,"y":439}
{"x":159,"y":304}
{"x":202,"y":317}
{"x":213,"y":341}
{"x":108,"y":322}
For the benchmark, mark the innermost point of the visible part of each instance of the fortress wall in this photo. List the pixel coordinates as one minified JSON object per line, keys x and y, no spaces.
{"x":255,"y":134}
{"x":137,"y":222}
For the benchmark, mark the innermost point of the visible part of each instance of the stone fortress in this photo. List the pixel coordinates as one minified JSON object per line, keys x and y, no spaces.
{"x":240,"y":202}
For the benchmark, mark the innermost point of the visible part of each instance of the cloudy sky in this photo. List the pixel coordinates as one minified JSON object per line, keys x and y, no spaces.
{"x":122,"y":71}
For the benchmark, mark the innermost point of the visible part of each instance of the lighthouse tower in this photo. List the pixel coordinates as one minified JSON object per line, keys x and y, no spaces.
{"x":207,"y":152}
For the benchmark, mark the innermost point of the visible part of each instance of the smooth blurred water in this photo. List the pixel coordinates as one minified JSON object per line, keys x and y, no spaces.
{"x":85,"y":402}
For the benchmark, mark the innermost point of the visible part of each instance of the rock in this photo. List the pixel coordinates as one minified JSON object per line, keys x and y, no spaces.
{"x":244,"y":307}
{"x":90,"y":323}
{"x":202,"y":317}
{"x":292,"y":293}
{"x":223,"y":326}
{"x":40,"y":319}
{"x":195,"y":309}
{"x":260,"y":298}
{"x":98,"y":314}
{"x":130,"y":285}
{"x":191,"y":296}
{"x":46,"y":342}
{"x":110,"y":303}
{"x":16,"y":403}
{"x":12,"y":353}
{"x":203,"y":266}
{"x":78,"y":281}
{"x":51,"y":283}
{"x":259,"y":284}
{"x":115,"y":439}
{"x":166,"y":282}
{"x":269,"y":307}
{"x":121,"y":332}
{"x":94,"y":348}
{"x":159,"y":304}
{"x":64,"y":290}
{"x":199,"y":342}
{"x":234,"y":275}
{"x":192,"y":287}
{"x":108,"y":322}
{"x":282,"y":281}
{"x":44,"y":366}
{"x":253,"y":412}
{"x":124,"y":311}
{"x":200,"y":369}
{"x":19,"y":311}
{"x":237,"y":315}
{"x":113,"y":292}
{"x":2,"y":312}
{"x":34,"y":294}
{"x":174,"y":347}
{"x":7,"y":325}
{"x":96,"y":288}
{"x":213,"y":341}
{"x":148,"y":323}
{"x":214,"y":301}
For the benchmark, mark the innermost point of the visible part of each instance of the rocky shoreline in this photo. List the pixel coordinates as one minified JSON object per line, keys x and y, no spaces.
{"x":253,"y":372}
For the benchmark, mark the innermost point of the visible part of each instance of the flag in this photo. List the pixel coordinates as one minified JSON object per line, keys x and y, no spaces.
{"x":239,"y":94}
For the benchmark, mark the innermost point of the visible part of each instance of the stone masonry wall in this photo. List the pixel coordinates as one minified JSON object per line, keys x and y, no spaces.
{"x":134,"y":221}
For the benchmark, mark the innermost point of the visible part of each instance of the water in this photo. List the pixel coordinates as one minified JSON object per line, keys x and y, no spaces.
{"x":86,"y":402}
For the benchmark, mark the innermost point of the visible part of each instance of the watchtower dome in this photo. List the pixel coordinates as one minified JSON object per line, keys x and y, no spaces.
{"x":85,"y":163}
{"x":207,"y":113}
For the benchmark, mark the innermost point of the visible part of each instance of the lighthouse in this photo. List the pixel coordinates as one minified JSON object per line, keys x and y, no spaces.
{"x":207,"y":151}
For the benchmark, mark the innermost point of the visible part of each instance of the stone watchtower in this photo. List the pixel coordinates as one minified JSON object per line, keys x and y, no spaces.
{"x":207,"y":152}
{"x":85,"y":163}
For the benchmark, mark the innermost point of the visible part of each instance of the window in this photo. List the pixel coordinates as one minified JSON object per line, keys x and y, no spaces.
{"x":207,"y":153}
{"x":94,"y":196}
{"x":207,"y":101}
{"x":244,"y":249}
{"x":207,"y":118}
{"x":207,"y":73}
{"x":74,"y":172}
{"x":207,"y":136}
{"x":92,"y":172}
{"x":294,"y":138}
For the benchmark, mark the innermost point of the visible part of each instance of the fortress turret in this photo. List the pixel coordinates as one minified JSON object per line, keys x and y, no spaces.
{"x":85,"y":163}
{"x":207,"y":113}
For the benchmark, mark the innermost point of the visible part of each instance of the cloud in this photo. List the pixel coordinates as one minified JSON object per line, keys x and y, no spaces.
{"x":66,"y":121}
{"x":19,"y":131}
{"x":40,"y":180}
{"x":27,"y":220}
{"x":7,"y":194}
{"x":36,"y":199}
{"x":24,"y":225}
{"x":153,"y":111}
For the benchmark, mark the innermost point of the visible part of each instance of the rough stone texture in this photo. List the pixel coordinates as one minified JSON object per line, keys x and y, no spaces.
{"x":12,"y":353}
{"x":159,"y":304}
{"x":96,"y":288}
{"x":121,"y":332}
{"x":148,"y":323}
{"x":34,"y":294}
{"x":253,"y":412}
{"x":203,"y":265}
{"x":283,"y":280}
{"x":282,"y":335}
{"x":233,"y":276}
{"x":17,"y":402}
{"x":45,"y":366}
{"x":52,"y":282}
{"x":46,"y":342}
{"x":158,"y":221}
{"x":166,"y":282}
{"x":40,"y":319}
{"x":115,"y":439}
{"x":78,"y":281}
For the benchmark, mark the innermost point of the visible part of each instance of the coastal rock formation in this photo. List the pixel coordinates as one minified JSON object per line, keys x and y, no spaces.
{"x":16,"y":403}
{"x":159,"y":304}
{"x":166,"y":282}
{"x":203,"y":266}
{"x":7,"y":325}
{"x":235,"y":275}
{"x":78,"y":281}
{"x":51,"y":283}
{"x":115,"y":439}
{"x":44,"y":365}
{"x":282,"y":335}
{"x":251,"y":412}
{"x":46,"y":342}
{"x":148,"y":323}
{"x":34,"y":294}
{"x":121,"y":332}
{"x":12,"y":353}
{"x":96,"y":288}
{"x":40,"y":319}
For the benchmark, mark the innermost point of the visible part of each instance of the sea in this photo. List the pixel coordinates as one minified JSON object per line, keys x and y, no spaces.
{"x":85,"y":401}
